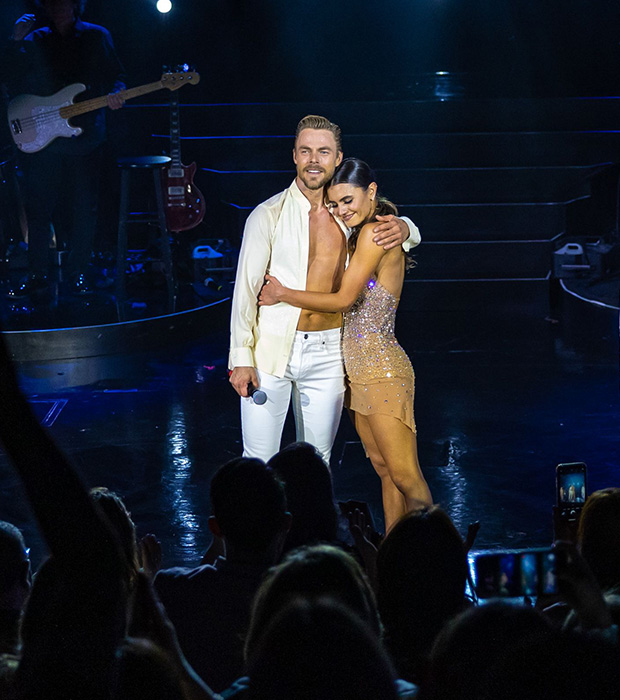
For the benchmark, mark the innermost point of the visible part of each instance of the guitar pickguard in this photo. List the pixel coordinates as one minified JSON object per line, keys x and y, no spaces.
{"x":35,"y":121}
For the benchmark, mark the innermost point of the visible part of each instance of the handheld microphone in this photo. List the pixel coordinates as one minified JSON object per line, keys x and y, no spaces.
{"x":258,"y":396}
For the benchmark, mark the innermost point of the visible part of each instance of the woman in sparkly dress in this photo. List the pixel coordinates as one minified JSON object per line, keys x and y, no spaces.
{"x":379,"y":374}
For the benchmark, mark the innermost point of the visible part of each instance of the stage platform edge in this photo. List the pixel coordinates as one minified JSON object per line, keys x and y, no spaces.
{"x":116,"y":338}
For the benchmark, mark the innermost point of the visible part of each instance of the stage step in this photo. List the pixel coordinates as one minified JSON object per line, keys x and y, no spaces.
{"x":482,"y":260}
{"x":507,"y":295}
{"x":420,"y":186}
{"x":428,"y":150}
{"x":487,"y":257}
{"x":388,"y":117}
{"x":487,"y":222}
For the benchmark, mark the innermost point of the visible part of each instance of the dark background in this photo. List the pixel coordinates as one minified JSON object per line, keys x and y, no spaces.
{"x":341,"y":51}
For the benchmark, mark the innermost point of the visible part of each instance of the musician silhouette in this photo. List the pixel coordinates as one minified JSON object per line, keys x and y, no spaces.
{"x":50,"y":51}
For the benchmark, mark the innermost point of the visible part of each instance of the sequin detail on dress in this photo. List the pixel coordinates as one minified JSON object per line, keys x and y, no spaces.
{"x":379,"y":373}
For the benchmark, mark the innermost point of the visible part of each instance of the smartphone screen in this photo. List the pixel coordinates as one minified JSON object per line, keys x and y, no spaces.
{"x":549,"y":581}
{"x":529,"y":574}
{"x":571,"y":484}
{"x":514,"y":574}
{"x":509,"y":575}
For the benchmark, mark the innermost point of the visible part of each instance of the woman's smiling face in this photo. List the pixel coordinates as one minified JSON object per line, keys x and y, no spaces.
{"x":352,"y":204}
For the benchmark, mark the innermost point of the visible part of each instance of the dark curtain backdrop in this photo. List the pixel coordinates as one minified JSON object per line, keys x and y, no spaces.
{"x":277,"y":50}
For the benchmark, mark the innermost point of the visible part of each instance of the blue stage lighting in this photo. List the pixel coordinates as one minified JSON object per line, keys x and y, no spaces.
{"x":164,"y":6}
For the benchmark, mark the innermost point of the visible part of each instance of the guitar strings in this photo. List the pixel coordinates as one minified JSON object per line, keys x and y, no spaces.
{"x":44,"y":117}
{"x":40,"y":118}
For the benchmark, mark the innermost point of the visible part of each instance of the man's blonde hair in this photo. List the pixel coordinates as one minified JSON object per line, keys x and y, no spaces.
{"x":314,"y":121}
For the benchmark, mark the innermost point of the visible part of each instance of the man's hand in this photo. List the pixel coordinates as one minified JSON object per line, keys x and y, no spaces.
{"x":390,"y":232}
{"x":24,"y":25}
{"x":115,"y":100}
{"x":242,"y":377}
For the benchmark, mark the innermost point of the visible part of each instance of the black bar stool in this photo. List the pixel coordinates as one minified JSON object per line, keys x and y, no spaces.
{"x":158,"y":217}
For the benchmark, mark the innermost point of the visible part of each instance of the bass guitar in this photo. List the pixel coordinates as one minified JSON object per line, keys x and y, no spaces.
{"x":36,"y":121}
{"x":185,"y":205}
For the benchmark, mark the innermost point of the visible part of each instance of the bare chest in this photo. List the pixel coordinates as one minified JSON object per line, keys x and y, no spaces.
{"x":327,"y":251}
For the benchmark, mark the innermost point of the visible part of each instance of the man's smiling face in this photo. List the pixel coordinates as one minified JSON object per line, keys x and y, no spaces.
{"x":316,"y":156}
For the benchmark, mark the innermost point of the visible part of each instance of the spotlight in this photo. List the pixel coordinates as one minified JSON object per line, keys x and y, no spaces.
{"x":164,"y":6}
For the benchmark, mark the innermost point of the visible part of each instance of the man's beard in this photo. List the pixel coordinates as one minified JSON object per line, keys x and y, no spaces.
{"x":315,"y":184}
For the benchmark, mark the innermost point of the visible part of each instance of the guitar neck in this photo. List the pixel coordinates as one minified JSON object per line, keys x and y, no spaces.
{"x":99,"y":102}
{"x":175,"y":131}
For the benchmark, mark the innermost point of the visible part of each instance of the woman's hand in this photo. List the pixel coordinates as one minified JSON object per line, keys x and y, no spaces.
{"x":271,"y":293}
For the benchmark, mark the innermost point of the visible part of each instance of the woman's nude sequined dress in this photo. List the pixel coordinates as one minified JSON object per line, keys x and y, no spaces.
{"x":379,"y":373}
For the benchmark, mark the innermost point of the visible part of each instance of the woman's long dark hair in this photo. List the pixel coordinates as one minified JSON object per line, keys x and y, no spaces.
{"x":356,"y":172}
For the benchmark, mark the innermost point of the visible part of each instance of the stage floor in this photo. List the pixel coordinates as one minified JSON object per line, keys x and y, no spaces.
{"x":505,"y":390}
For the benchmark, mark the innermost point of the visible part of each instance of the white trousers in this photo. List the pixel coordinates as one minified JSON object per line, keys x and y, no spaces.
{"x":314,"y":378}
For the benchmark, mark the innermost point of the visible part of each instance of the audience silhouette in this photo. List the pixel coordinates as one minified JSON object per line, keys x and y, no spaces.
{"x":305,"y":625}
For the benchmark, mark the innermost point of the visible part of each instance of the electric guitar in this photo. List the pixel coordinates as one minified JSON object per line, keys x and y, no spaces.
{"x":185,"y":205}
{"x":36,"y":121}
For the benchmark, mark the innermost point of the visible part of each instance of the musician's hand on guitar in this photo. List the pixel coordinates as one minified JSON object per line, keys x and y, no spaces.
{"x":115,"y":100}
{"x":24,"y":25}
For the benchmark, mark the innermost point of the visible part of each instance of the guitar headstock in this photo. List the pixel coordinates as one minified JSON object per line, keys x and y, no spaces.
{"x":174,"y":81}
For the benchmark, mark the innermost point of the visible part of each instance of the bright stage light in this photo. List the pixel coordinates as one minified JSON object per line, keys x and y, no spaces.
{"x":164,"y":6}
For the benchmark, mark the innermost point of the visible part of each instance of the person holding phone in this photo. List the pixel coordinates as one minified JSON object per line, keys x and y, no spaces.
{"x":380,"y":378}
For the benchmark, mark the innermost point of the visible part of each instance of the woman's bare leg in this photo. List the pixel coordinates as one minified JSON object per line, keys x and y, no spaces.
{"x":394,"y":504}
{"x":398,"y":447}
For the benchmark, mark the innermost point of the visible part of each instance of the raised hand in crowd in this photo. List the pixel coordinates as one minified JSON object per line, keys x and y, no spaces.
{"x":151,"y":555}
{"x":24,"y":25}
{"x":216,"y":549}
{"x":148,"y":620}
{"x":580,"y":589}
{"x":364,"y":537}
{"x":472,"y":533}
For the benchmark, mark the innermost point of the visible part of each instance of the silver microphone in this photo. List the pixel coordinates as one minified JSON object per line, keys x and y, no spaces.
{"x":258,"y":396}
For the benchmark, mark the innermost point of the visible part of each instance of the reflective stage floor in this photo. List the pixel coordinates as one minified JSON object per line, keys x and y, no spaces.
{"x":505,"y":390}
